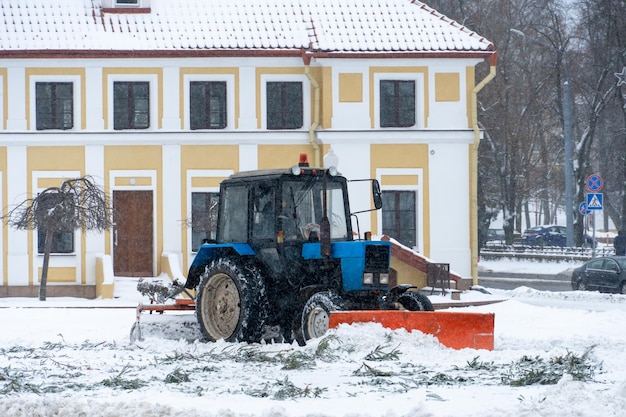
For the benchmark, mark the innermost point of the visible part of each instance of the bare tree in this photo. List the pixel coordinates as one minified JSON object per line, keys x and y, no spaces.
{"x":78,"y":204}
{"x":603,"y":26}
{"x":522,"y":112}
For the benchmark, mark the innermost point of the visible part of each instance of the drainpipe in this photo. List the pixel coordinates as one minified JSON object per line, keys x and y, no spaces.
{"x":474,"y":165}
{"x":316,"y":110}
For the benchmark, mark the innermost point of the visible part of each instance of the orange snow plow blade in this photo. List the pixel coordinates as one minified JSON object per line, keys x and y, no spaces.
{"x":453,"y":329}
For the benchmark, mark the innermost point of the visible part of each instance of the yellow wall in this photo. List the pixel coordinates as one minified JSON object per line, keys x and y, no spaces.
{"x":5,"y":98}
{"x":447,"y":86}
{"x":350,"y":87}
{"x":284,"y":156}
{"x":407,"y":274}
{"x":52,"y":158}
{"x":214,"y":157}
{"x":5,"y":228}
{"x":404,"y":156}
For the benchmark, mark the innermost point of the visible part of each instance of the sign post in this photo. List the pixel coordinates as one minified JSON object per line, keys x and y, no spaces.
{"x":594,"y":203}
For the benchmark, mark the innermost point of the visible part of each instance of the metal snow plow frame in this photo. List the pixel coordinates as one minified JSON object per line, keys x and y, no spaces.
{"x":457,"y":330}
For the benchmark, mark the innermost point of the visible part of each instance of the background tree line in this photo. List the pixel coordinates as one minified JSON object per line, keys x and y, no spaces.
{"x":521,"y":111}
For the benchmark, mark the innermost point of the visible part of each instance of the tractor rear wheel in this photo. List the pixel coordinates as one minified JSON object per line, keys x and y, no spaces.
{"x":316,"y":313}
{"x":415,"y":301}
{"x":230,"y":303}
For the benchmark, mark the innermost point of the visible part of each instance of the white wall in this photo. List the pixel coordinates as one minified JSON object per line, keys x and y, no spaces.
{"x":450,"y":206}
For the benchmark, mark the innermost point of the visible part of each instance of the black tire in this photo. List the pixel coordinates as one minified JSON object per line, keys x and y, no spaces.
{"x":316,"y":313}
{"x":582,"y":285}
{"x":415,"y":301}
{"x":622,"y":288}
{"x":230,"y":303}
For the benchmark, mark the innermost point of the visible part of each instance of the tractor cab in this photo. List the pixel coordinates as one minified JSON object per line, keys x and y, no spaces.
{"x":280,"y":212}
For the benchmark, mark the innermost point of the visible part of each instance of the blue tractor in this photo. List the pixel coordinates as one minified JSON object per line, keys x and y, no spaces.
{"x":285,"y":257}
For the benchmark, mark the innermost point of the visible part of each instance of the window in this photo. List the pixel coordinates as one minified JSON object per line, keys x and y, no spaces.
{"x":207,"y":105}
{"x":397,"y":103}
{"x":131,"y":105}
{"x":264,"y":215}
{"x":399,"y":216}
{"x":54,"y":105}
{"x":284,"y":105}
{"x":203,"y":217}
{"x":234,"y":212}
{"x":63,"y":240}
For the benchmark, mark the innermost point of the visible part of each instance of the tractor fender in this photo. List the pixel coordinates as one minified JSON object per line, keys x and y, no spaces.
{"x":400,"y":289}
{"x":389,"y":300}
{"x":210,"y":251}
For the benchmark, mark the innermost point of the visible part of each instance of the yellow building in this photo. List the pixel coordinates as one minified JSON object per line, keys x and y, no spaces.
{"x":159,"y":101}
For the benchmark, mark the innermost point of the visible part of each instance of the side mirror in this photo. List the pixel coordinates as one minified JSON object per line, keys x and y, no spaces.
{"x":376,"y":194}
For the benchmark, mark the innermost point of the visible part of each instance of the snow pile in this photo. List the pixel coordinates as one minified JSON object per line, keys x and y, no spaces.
{"x":555,"y":354}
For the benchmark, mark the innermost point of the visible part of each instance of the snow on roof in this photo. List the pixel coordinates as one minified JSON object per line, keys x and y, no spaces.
{"x":185,"y":25}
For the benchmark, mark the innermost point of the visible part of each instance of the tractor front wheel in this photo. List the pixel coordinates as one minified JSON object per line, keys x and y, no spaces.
{"x":230,"y":303}
{"x":316,"y":313}
{"x":415,"y":301}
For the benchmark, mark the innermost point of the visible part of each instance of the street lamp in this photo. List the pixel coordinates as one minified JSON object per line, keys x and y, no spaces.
{"x":568,"y":147}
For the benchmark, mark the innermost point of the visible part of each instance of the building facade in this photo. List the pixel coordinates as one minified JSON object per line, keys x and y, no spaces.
{"x":160,"y":101}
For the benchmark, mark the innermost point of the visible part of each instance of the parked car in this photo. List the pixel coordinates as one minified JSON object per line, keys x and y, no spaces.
{"x":605,"y":274}
{"x":545,"y":236}
{"x":552,"y":235}
{"x":495,"y":236}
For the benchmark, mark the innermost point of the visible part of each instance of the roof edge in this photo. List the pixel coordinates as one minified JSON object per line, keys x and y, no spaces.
{"x":238,"y":53}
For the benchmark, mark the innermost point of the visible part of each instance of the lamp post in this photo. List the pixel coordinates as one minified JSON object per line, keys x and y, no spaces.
{"x":568,"y":147}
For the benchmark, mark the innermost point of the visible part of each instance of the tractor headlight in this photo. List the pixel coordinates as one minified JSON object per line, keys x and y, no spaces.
{"x":368,"y":278}
{"x":384,"y":278}
{"x":332,"y":171}
{"x":296,"y":170}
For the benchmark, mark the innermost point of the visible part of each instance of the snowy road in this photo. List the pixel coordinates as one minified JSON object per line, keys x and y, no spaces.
{"x":59,"y":361}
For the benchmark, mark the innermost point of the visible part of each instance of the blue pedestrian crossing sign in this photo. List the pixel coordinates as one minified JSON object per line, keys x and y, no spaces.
{"x":594,"y":201}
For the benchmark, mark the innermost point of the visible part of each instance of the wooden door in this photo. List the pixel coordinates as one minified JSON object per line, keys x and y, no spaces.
{"x":133,"y":234}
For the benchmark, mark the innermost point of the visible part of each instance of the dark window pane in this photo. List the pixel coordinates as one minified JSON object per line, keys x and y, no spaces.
{"x":63,"y":239}
{"x":54,"y":106}
{"x":397,"y":103}
{"x":208,"y":105}
{"x":399,"y":216}
{"x":284,"y":105}
{"x":131,"y":105}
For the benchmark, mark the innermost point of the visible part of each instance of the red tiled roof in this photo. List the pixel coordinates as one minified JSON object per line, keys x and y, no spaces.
{"x":347,"y":26}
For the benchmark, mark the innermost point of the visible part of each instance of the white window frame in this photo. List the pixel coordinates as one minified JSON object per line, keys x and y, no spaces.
{"x":418,"y":78}
{"x":230,"y":98}
{"x":57,"y":260}
{"x":419,"y":203}
{"x":306,"y":98}
{"x":152,"y":80}
{"x":201,"y":173}
{"x":76,"y":104}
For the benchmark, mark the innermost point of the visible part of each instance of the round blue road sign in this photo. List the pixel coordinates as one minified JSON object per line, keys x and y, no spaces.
{"x":594,"y":182}
{"x":582,"y":207}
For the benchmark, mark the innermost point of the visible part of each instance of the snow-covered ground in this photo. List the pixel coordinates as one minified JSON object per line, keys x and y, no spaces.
{"x":68,"y":357}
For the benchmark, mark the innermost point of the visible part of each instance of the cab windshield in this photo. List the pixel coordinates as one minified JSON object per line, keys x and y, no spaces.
{"x":302,"y":209}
